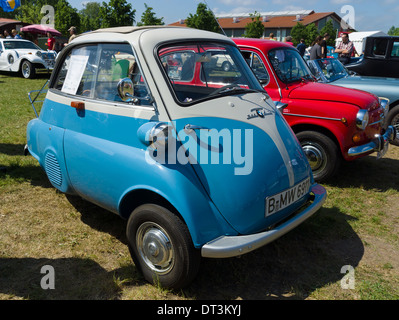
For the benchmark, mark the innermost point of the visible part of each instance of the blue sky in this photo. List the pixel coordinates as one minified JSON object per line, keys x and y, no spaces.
{"x":369,"y":15}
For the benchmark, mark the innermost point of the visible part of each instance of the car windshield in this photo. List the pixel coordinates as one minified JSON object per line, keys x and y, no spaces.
{"x":289,"y":65}
{"x":20,"y":45}
{"x":328,"y":70}
{"x":204,"y":70}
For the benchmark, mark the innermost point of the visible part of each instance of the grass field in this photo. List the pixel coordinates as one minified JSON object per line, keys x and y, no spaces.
{"x":86,"y":245}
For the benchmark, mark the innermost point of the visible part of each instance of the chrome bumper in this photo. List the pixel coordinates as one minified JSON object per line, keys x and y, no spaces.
{"x":231,"y":246}
{"x":377,"y":144}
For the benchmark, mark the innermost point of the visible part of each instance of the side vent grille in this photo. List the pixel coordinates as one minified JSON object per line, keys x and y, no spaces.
{"x":53,"y":169}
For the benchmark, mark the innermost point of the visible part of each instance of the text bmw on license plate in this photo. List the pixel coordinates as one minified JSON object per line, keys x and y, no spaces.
{"x":287,"y":197}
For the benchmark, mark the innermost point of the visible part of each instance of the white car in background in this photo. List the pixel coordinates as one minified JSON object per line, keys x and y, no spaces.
{"x":18,"y":55}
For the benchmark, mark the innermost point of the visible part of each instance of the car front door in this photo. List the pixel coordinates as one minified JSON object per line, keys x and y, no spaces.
{"x":100,"y":142}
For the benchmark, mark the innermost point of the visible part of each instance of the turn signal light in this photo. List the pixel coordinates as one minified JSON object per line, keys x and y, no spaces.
{"x":357,"y":138}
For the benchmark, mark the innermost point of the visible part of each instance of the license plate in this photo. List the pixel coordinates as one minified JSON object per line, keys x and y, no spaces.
{"x":384,"y":150}
{"x":283,"y":199}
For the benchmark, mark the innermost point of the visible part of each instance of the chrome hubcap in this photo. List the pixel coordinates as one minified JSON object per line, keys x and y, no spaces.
{"x":315,"y":156}
{"x":25,"y":70}
{"x":155,"y":247}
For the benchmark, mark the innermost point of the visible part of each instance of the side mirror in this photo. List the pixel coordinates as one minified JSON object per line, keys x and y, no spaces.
{"x":126,"y":90}
{"x":280,"y":106}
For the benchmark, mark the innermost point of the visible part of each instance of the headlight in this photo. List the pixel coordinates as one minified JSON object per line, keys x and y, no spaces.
{"x":362,"y":119}
{"x":10,"y":59}
{"x":384,"y":102}
{"x":39,"y":54}
{"x":159,"y":136}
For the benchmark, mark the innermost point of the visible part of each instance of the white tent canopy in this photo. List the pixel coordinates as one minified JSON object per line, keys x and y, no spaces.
{"x":358,"y":37}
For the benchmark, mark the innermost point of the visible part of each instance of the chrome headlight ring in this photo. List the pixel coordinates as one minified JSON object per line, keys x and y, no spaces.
{"x":362,"y":119}
{"x":10,"y":59}
{"x":384,"y":102}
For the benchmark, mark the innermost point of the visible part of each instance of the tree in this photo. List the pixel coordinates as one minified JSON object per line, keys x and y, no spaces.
{"x":29,"y":12}
{"x":255,"y":28}
{"x":89,"y":17}
{"x":329,"y":28}
{"x":393,"y":31}
{"x":311,"y":33}
{"x":298,"y":32}
{"x":116,"y":13}
{"x":65,"y":17}
{"x":148,"y":18}
{"x":203,"y":19}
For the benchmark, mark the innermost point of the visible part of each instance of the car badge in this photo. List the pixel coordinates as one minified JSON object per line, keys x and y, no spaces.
{"x":258,"y":112}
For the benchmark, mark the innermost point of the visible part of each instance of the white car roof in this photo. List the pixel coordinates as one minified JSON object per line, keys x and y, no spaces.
{"x":155,"y":34}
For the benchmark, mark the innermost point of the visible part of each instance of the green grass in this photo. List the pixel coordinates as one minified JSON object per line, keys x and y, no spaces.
{"x":86,"y":245}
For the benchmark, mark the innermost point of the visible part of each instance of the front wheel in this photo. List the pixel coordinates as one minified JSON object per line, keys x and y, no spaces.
{"x":393,"y":120}
{"x":28,"y":71}
{"x":161,"y":247}
{"x":321,"y":152}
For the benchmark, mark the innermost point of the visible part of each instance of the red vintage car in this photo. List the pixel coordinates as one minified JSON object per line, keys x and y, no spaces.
{"x":331,"y":123}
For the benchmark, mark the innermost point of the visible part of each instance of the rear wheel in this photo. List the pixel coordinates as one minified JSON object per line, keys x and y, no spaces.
{"x":28,"y":70}
{"x":321,"y":152}
{"x":393,"y":120}
{"x":161,"y":247}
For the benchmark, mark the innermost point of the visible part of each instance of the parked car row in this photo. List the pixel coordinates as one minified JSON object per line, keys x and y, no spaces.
{"x":172,"y":130}
{"x":333,"y":124}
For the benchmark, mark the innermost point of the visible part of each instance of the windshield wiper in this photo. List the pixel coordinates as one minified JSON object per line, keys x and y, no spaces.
{"x":232,"y":89}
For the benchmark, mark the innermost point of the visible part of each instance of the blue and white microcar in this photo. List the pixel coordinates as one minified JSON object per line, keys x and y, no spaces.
{"x":146,"y":123}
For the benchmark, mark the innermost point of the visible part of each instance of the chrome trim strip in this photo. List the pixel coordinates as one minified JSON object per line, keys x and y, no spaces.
{"x":306,"y":116}
{"x":231,"y":246}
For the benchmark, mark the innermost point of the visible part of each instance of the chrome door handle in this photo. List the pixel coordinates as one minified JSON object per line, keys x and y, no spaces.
{"x":190,"y":127}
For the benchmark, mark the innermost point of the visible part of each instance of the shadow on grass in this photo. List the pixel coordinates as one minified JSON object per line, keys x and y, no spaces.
{"x":99,"y":218}
{"x":305,"y":259}
{"x":74,"y":278}
{"x":32,"y":173}
{"x":368,"y":173}
{"x":12,"y":149}
{"x":39,"y":75}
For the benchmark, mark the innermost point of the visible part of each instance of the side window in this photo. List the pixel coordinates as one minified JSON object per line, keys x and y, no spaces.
{"x":78,"y":72}
{"x":257,"y":66}
{"x":395,"y":49}
{"x":380,"y":47}
{"x":94,"y":71}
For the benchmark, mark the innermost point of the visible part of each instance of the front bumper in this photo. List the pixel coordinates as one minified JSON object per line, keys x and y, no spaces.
{"x":231,"y":246}
{"x":377,"y":144}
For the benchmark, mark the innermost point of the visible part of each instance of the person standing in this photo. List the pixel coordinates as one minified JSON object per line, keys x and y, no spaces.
{"x":323,"y":45}
{"x":7,"y":34}
{"x":15,"y":34}
{"x":344,"y":49}
{"x":315,"y":52}
{"x":271,"y":37}
{"x":301,"y":47}
{"x":72,"y":33}
{"x":288,"y":40}
{"x":50,"y":41}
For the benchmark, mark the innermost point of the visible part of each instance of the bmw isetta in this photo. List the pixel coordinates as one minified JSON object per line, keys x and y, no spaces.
{"x":150,"y":124}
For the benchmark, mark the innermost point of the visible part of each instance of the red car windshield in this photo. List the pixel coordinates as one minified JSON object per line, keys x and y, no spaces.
{"x":289,"y":65}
